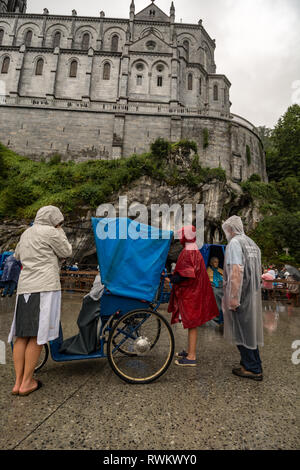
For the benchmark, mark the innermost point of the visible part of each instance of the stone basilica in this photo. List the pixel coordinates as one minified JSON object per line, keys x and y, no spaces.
{"x":101,"y":87}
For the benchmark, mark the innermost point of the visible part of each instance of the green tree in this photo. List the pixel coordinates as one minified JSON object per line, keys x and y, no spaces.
{"x":283,"y":158}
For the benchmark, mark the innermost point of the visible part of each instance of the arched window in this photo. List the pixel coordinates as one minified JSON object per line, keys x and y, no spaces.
{"x":216,"y":93}
{"x":39,"y":67}
{"x":85,"y":41}
{"x":106,"y":71}
{"x":115,"y":43}
{"x":1,"y":36}
{"x":5,"y":65}
{"x":186,"y":45}
{"x":73,"y":68}
{"x":57,"y":39}
{"x":28,"y":38}
{"x":190,"y":81}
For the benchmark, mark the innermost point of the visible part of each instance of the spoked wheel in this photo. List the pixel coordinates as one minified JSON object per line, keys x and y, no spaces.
{"x":140,"y":346}
{"x":127,"y":347}
{"x":43,"y":358}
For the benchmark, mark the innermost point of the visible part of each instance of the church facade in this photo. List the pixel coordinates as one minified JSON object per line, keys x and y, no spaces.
{"x":100,"y":87}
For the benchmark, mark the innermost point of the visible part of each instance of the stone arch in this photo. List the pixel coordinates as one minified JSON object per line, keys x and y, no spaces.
{"x":57,"y":36}
{"x":207,"y":54}
{"x":53,"y":30}
{"x":85,"y":29}
{"x":56,"y":27}
{"x":149,"y":30}
{"x":86,"y":41}
{"x":6,"y":28}
{"x":28,"y":36}
{"x":115,"y":42}
{"x":108,"y":36}
{"x":190,"y":81}
{"x":81,"y":31}
{"x":36,"y":30}
{"x":135,"y":73}
{"x":188,"y":36}
{"x":160,"y":61}
{"x":106,"y":67}
{"x":39,"y":64}
{"x":5,"y":63}
{"x":71,"y":68}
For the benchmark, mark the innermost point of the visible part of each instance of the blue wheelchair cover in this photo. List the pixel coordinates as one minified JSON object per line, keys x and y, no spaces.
{"x":207,"y":249}
{"x":131,"y":256}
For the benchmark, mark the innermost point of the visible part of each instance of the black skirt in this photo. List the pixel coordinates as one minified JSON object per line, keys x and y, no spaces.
{"x":28,"y":316}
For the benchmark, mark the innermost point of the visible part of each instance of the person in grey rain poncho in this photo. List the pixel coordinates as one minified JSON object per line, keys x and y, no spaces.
{"x":38,"y":303}
{"x":242,"y":304}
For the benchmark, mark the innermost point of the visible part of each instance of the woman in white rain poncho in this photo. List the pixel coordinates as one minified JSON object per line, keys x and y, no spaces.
{"x":242,"y":305}
{"x":38,"y":303}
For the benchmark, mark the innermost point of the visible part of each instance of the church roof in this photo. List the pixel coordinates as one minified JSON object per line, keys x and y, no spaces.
{"x":152,"y":13}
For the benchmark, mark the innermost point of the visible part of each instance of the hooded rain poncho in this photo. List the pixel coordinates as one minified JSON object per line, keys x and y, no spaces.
{"x":192,"y":299}
{"x":242,"y":304}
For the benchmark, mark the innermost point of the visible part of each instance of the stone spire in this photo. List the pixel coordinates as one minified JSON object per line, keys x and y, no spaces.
{"x":172,"y":13}
{"x":132,"y":11}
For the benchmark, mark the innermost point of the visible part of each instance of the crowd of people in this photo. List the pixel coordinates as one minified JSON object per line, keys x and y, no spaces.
{"x":229,"y":296}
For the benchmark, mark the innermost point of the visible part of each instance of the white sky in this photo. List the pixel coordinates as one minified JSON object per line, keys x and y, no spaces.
{"x":258,"y":44}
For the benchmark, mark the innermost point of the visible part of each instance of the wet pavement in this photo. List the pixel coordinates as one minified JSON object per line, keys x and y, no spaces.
{"x":84,"y":405}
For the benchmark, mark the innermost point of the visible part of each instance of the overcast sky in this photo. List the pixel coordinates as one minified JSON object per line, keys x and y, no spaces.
{"x":258,"y":45}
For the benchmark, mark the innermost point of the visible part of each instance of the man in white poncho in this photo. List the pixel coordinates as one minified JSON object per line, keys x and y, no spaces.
{"x":242,"y":304}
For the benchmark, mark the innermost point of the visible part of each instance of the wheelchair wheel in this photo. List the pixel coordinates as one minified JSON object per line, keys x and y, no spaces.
{"x":43,"y":358}
{"x":126,"y":348}
{"x":140,"y":346}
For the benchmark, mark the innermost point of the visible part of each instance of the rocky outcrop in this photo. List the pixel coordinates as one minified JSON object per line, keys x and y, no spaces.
{"x":220,"y":199}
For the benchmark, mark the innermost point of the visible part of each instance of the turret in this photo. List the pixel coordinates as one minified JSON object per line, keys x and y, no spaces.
{"x":132,"y":10}
{"x":172,"y":13}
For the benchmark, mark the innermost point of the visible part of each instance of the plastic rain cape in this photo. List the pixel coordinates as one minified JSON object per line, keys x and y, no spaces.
{"x":242,"y":286}
{"x":131,"y":256}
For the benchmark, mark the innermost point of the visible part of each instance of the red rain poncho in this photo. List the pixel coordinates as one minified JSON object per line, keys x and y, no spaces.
{"x":192,"y":299}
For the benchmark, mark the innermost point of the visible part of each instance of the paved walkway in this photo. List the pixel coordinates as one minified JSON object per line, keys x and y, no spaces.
{"x":85,"y":405}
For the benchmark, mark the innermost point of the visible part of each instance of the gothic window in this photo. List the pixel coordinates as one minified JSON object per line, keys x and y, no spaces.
{"x":139,"y":80}
{"x":39,"y":67}
{"x":186,"y":45}
{"x":73,"y":68}
{"x":190,"y":81}
{"x":106,"y":71}
{"x":57,"y":39}
{"x":159,"y":81}
{"x":1,"y":36}
{"x":5,"y":65}
{"x":85,"y":41}
{"x":216,"y":93}
{"x":28,"y":38}
{"x":115,"y":43}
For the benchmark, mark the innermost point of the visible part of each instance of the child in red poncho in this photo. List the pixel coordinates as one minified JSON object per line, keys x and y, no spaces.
{"x":192,"y":296}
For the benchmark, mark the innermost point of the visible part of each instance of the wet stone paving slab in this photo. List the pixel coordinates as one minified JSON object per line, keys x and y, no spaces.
{"x":84,"y":405}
